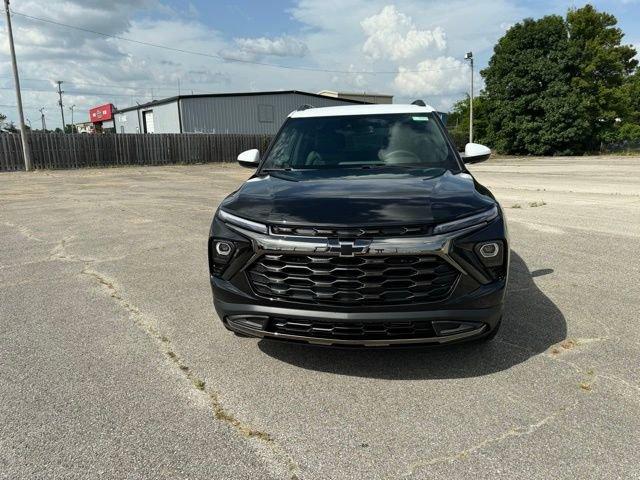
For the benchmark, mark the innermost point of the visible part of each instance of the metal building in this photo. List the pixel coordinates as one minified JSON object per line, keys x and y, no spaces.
{"x":255,"y":112}
{"x":382,"y":98}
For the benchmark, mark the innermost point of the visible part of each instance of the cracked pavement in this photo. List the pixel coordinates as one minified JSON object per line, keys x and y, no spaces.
{"x":114,"y":365}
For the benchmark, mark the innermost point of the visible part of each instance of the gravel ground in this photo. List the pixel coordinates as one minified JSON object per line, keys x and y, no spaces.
{"x":114,"y":365}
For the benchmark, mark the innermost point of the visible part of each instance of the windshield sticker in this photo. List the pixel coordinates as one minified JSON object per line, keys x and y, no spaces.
{"x":420,"y":119}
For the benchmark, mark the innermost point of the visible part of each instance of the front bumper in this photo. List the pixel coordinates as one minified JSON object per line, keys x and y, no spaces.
{"x":472,"y":310}
{"x":457,"y":325}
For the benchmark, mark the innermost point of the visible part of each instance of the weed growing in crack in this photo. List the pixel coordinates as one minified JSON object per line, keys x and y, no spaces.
{"x":199,"y":384}
{"x":221,"y":414}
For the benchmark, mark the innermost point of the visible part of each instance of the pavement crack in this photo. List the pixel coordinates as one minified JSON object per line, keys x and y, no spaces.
{"x":22,"y":230}
{"x":281,"y":462}
{"x":519,"y":431}
{"x":59,"y":252}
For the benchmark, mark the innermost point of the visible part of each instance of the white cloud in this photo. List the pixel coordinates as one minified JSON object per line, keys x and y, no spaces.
{"x":393,"y":34}
{"x":352,"y":35}
{"x":352,"y":80}
{"x":442,"y":75}
{"x":282,"y":46}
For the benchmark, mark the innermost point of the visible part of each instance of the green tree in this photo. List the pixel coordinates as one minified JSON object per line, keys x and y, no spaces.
{"x":600,"y":66}
{"x":556,"y":86}
{"x":627,"y":128}
{"x":631,"y":94}
{"x":458,"y":121}
{"x":10,"y":127}
{"x":531,"y":106}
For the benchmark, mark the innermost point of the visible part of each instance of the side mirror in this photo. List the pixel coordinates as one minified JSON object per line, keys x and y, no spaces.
{"x":474,"y":153}
{"x":249,"y":158}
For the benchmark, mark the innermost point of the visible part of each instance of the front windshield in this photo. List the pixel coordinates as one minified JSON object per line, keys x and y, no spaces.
{"x":361,"y":141}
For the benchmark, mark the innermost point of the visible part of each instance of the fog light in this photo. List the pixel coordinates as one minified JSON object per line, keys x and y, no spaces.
{"x":220,"y":255}
{"x":489,"y":250}
{"x":491,"y":253}
{"x":224,"y":249}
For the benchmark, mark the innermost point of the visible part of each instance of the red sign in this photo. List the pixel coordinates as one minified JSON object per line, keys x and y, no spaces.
{"x":102,"y":113}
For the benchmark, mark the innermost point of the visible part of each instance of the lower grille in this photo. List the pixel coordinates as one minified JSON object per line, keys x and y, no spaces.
{"x":354,"y":331}
{"x":360,"y":280}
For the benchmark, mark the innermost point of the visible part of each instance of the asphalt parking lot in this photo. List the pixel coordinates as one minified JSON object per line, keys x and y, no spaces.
{"x":114,"y":365}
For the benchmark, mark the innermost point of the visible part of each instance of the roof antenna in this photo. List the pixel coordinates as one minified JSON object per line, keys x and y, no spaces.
{"x":420,"y":103}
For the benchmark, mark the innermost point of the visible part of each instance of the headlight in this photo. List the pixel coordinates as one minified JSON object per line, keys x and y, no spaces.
{"x":242,"y":222}
{"x":471,"y":221}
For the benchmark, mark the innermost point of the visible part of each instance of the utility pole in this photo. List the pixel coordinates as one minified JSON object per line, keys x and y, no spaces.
{"x":73,"y":125}
{"x":60,"y":92}
{"x":16,"y":80}
{"x":469,"y":56}
{"x":44,"y":124}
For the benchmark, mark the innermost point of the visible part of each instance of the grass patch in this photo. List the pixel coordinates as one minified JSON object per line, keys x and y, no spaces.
{"x":199,"y":384}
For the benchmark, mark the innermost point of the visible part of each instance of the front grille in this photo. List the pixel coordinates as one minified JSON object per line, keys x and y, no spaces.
{"x":369,"y":232}
{"x":353,"y":330}
{"x":360,"y":280}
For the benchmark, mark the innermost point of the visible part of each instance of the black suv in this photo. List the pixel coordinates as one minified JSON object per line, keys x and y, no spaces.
{"x":361,"y":226}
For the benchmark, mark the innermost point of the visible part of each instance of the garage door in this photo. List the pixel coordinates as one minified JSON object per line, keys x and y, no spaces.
{"x":148,"y":122}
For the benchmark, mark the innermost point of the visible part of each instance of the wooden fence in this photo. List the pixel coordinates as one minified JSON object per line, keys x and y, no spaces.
{"x":58,"y":150}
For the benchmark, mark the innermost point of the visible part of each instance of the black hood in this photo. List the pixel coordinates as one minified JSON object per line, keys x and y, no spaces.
{"x":377,"y":197}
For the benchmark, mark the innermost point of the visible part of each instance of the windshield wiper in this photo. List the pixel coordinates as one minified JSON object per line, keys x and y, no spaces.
{"x":269,"y":170}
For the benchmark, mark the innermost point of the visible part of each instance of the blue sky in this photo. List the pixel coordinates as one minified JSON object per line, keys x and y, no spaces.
{"x":418,"y":44}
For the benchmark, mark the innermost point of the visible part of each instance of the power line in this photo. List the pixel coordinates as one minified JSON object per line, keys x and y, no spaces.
{"x":26,"y":107}
{"x":80,"y":83}
{"x":221,"y":57}
{"x":77,"y":92}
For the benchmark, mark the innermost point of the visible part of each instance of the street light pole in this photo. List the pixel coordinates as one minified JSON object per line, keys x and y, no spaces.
{"x":16,"y":80}
{"x":44,"y":124}
{"x":73,"y":126}
{"x":60,"y":92}
{"x":469,"y":56}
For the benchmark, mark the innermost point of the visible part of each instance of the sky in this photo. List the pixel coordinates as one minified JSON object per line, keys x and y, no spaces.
{"x":409,"y":48}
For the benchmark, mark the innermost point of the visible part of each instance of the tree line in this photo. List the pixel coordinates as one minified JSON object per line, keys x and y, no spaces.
{"x":557,"y":86}
{"x":10,"y":127}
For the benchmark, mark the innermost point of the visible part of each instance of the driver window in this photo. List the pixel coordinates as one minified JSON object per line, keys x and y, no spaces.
{"x":414,"y":141}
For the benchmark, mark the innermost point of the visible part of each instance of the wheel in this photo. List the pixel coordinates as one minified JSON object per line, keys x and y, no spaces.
{"x":492,"y":334}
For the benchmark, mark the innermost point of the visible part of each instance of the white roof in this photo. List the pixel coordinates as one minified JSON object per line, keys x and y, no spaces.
{"x":359,"y":110}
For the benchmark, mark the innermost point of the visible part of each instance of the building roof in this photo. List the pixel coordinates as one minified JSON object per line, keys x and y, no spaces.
{"x":233,"y":94}
{"x":360,"y":110}
{"x":332,"y":93}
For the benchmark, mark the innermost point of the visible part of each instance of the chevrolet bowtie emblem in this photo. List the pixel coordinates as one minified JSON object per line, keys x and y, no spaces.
{"x":349,"y":248}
